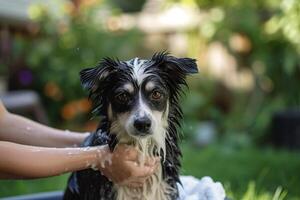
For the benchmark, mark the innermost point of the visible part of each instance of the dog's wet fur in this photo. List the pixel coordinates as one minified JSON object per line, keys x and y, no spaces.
{"x":137,"y":101}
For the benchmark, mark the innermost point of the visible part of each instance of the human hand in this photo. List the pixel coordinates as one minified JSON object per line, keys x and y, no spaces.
{"x":123,"y":168}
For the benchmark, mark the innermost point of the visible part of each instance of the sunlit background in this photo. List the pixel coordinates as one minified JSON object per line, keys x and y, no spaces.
{"x":241,"y":115}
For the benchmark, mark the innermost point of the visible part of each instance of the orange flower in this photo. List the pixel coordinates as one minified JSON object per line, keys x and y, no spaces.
{"x":91,"y":125}
{"x":68,"y":111}
{"x":74,"y":108}
{"x":84,"y":105}
{"x":52,"y":90}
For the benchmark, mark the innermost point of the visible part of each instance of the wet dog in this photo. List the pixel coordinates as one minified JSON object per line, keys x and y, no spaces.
{"x":138,"y":102}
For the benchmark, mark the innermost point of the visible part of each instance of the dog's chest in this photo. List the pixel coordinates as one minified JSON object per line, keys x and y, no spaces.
{"x":155,"y":188}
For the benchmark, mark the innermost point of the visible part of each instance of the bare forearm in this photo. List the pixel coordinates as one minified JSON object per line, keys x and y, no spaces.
{"x":22,"y":161}
{"x":18,"y":129}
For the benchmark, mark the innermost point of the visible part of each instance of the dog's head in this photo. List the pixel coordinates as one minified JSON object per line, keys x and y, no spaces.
{"x":138,"y":97}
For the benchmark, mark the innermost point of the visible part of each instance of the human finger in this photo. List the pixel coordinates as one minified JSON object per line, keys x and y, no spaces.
{"x":136,"y":185}
{"x":140,"y":171}
{"x":151,"y":162}
{"x":130,"y":153}
{"x":139,"y":179}
{"x":132,"y":183}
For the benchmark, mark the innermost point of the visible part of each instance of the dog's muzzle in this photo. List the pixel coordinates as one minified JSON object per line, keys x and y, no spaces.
{"x":142,"y":125}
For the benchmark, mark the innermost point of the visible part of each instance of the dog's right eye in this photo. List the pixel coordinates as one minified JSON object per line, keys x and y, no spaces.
{"x":123,"y":97}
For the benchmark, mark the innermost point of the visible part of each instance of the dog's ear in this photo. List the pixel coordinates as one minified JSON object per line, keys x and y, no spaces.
{"x":175,"y":66}
{"x":91,"y":77}
{"x":182,"y":65}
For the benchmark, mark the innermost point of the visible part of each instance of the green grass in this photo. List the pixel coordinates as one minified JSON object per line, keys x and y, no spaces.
{"x":247,"y":174}
{"x":238,"y":170}
{"x":251,"y":194}
{"x":20,"y":187}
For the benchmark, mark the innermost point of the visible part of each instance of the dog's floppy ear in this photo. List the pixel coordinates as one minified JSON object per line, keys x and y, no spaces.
{"x":91,"y":77}
{"x":175,"y":66}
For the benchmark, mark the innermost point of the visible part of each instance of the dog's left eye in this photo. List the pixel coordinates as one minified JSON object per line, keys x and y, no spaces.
{"x":123,"y":97}
{"x":156,"y":95}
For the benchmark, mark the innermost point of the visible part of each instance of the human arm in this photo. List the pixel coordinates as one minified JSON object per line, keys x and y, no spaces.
{"x":14,"y":128}
{"x":27,"y":162}
{"x":23,"y":161}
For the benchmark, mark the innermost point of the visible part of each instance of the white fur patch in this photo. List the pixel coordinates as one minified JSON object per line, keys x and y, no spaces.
{"x":155,"y":187}
{"x":139,"y":70}
{"x":129,"y":87}
{"x":149,"y":86}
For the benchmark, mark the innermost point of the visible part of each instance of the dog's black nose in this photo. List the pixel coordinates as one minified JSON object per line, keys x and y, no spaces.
{"x":142,"y":124}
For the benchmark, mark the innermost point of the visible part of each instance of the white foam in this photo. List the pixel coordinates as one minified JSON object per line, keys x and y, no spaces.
{"x":36,"y":150}
{"x":203,"y":189}
{"x":106,"y":159}
{"x":86,"y":148}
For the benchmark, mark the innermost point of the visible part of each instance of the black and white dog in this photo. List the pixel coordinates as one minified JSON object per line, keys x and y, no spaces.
{"x":138,"y":104}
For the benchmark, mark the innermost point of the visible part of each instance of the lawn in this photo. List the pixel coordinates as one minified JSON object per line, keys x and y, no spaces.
{"x":241,"y":170}
{"x":247,"y":174}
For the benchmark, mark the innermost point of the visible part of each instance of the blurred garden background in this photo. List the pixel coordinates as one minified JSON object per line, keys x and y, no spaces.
{"x":241,"y":115}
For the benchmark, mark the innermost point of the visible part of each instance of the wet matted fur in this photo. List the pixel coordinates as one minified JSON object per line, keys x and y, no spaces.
{"x":137,"y":101}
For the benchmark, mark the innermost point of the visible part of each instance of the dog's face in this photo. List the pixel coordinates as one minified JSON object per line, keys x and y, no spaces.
{"x":137,"y":95}
{"x":138,"y":104}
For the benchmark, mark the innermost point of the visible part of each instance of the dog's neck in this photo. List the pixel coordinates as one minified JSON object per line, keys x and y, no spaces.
{"x":159,"y":186}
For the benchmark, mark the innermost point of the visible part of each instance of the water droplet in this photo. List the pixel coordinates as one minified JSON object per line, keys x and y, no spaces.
{"x":87,"y":163}
{"x":86,"y":149}
{"x":94,"y":167}
{"x":102,"y":164}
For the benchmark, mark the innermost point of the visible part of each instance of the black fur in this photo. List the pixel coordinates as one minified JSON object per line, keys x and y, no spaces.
{"x":100,"y":81}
